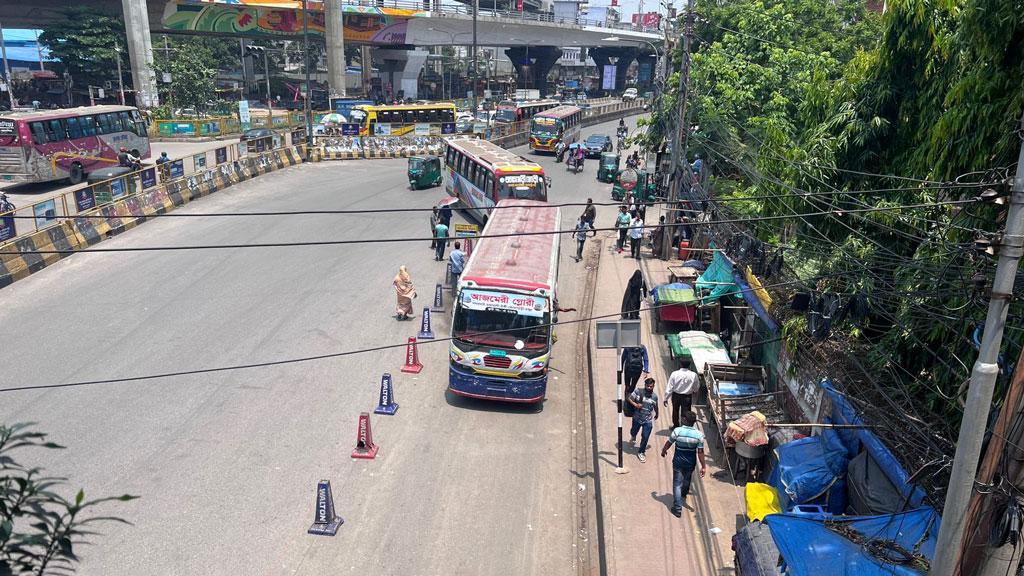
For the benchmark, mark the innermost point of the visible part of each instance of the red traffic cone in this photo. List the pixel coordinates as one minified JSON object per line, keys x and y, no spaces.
{"x":365,"y":448}
{"x":469,"y":247}
{"x":412,"y":358}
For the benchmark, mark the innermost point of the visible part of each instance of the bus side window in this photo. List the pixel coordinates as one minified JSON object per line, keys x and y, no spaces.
{"x":55,"y":131}
{"x":449,"y":115}
{"x":126,"y":122}
{"x":74,"y":128}
{"x":38,"y":133}
{"x":103,"y":124}
{"x":87,"y":125}
{"x":489,"y":187}
{"x":481,"y":179}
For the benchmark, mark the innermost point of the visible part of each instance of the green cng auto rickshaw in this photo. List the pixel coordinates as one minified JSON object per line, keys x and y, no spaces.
{"x":424,"y":172}
{"x":640,"y":182}
{"x":608,"y":167}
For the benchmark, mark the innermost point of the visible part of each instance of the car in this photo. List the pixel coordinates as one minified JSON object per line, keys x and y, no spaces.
{"x":629,"y":95}
{"x":464,"y":125}
{"x":595,"y":144}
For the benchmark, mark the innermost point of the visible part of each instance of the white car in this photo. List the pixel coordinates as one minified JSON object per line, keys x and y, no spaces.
{"x":629,"y":95}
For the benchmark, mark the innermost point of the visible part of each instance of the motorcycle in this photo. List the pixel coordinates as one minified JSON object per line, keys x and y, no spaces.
{"x":559,"y":155}
{"x":575,"y":165}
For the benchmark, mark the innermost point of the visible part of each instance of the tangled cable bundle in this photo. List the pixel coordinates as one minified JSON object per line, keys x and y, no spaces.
{"x":883,"y":549}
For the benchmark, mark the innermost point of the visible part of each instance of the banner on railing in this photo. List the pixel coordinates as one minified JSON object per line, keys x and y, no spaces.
{"x":45,"y":212}
{"x":177,"y":169}
{"x":7,"y":227}
{"x":148,"y":178}
{"x":220,"y":155}
{"x":350,"y":129}
{"x":382,"y":129}
{"x":84,"y":199}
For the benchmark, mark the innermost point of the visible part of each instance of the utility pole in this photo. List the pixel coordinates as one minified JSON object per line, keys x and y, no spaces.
{"x":7,"y":69}
{"x":983,"y":379}
{"x":473,"y":76}
{"x":120,"y":79}
{"x":305,"y":54}
{"x":679,"y":140}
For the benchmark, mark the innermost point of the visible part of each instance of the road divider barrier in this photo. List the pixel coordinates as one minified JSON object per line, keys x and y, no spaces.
{"x":386,"y":404}
{"x":325,"y":520}
{"x":365,"y":448}
{"x":412,"y":358}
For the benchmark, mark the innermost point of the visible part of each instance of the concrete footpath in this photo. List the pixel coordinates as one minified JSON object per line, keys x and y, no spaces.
{"x":641,"y":536}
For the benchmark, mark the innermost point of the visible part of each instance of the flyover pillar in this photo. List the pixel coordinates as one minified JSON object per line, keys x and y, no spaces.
{"x":400,"y":70}
{"x":602,"y":56}
{"x":532,"y":64}
{"x":140,"y":52}
{"x":335,"y":36}
{"x":647,"y":70}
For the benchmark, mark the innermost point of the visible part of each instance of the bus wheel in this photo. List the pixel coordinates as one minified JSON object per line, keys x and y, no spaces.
{"x":76,"y":175}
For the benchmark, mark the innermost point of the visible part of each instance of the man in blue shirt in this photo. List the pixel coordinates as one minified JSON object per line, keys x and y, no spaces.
{"x":458,"y":260}
{"x":645,"y":412}
{"x":689,"y":450}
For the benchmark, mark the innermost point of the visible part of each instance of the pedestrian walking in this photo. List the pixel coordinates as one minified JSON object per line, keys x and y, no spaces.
{"x":680,"y":388}
{"x":405,"y":292}
{"x":636,"y":290}
{"x":645,"y":412}
{"x":689,"y":451}
{"x":434,"y":219}
{"x":590,"y":212}
{"x":633,"y":363}
{"x":458,"y":260}
{"x":622,"y":225}
{"x":658,"y":238}
{"x":445,"y":215}
{"x":580,"y":234}
{"x":636,"y":234}
{"x":440,"y":239}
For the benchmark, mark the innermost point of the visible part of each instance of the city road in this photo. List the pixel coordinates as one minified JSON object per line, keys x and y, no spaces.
{"x":226,"y":463}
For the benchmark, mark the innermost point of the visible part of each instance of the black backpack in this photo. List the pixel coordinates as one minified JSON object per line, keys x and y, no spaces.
{"x":635,"y":360}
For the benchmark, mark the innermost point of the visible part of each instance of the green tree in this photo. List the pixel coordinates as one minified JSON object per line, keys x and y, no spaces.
{"x":83,"y":40}
{"x":189,"y":63}
{"x":39,"y":528}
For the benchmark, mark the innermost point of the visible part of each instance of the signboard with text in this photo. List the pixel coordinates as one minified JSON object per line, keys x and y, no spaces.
{"x":45,"y":212}
{"x":7,"y":227}
{"x":148,"y":178}
{"x":177,"y":169}
{"x":608,"y":77}
{"x":464,"y":230}
{"x":382,"y":129}
{"x":84,"y":199}
{"x":448,"y":128}
{"x":350,"y":129}
{"x":422,"y":129}
{"x":510,"y":302}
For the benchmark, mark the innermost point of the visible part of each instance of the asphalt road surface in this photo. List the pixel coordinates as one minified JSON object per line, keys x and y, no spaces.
{"x":226,"y":463}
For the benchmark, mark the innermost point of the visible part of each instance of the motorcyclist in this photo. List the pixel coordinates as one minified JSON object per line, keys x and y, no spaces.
{"x":5,"y":204}
{"x":559,"y":151}
{"x":125,"y":159}
{"x":580,"y":156}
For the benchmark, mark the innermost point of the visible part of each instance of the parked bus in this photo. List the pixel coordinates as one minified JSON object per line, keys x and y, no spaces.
{"x":44,"y":145}
{"x":509,"y":111}
{"x":505,"y":306}
{"x":480,"y":174}
{"x":561,"y":124}
{"x":400,"y":118}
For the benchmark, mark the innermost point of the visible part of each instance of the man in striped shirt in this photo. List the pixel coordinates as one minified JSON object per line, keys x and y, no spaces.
{"x":689,"y":450}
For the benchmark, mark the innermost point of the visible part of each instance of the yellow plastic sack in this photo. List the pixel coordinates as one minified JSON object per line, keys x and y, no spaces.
{"x":762,"y":500}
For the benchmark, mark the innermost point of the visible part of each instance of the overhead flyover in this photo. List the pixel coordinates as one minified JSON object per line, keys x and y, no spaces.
{"x":385,"y":23}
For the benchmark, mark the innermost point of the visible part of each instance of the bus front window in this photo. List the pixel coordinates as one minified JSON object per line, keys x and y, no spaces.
{"x":545,"y":127}
{"x":495,"y":327}
{"x":522,"y":187}
{"x":505,"y":115}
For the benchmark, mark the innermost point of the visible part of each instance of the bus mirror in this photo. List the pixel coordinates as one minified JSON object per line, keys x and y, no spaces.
{"x":519,"y":345}
{"x":547,"y":180}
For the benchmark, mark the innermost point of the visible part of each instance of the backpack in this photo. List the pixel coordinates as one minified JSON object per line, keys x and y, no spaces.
{"x":635,"y":360}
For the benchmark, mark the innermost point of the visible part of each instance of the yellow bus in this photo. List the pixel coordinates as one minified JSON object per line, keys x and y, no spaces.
{"x":550,"y":127}
{"x":396,"y":120}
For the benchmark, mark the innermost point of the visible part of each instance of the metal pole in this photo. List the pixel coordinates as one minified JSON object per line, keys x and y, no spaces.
{"x":983,"y":378}
{"x":618,"y":396}
{"x":120,"y":80}
{"x":473,"y":76}
{"x":266,"y":75}
{"x":306,"y":108}
{"x":679,"y":139}
{"x":7,"y":70}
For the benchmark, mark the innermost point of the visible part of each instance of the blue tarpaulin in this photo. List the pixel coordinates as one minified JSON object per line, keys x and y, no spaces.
{"x":811,"y":471}
{"x":811,"y":549}
{"x":755,"y":303}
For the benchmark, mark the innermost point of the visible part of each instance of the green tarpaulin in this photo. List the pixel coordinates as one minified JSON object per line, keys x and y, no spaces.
{"x":718,"y":278}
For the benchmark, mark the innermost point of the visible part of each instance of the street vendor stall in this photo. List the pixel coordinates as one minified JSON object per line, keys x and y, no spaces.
{"x":673,"y":303}
{"x":699,"y":348}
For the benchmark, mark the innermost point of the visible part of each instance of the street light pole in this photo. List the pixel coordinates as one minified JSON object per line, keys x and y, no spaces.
{"x":7,"y":69}
{"x":305,"y":64}
{"x":473,"y":76}
{"x":120,"y":80}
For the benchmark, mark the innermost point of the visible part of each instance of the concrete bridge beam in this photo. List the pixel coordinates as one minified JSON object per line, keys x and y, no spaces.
{"x":532,"y":64}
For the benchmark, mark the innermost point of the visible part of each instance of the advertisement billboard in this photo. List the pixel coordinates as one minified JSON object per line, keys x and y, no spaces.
{"x":608,"y":77}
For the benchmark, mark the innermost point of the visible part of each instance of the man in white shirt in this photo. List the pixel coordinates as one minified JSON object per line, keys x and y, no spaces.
{"x":681,"y":386}
{"x":636,"y":232}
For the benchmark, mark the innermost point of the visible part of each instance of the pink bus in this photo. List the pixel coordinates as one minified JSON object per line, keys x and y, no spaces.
{"x":43,"y":145}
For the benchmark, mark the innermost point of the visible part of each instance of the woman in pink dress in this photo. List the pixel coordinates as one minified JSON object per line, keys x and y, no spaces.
{"x":405,"y":292}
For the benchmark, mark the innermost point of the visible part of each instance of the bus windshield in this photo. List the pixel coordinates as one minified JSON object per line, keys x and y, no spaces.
{"x":545,"y":126}
{"x":522,"y":186}
{"x":494,"y":327}
{"x":505,"y":115}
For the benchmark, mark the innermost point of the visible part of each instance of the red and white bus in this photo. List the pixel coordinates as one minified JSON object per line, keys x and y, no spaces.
{"x":505,"y":306}
{"x":560,"y":124}
{"x":44,"y":145}
{"x":480,"y":174}
{"x":510,"y":111}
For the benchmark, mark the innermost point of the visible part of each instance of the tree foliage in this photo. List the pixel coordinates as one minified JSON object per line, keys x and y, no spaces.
{"x":83,"y":40}
{"x":190,"y":62}
{"x":39,"y":528}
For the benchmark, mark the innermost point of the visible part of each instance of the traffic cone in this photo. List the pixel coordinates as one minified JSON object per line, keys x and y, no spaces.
{"x":438,"y":305}
{"x":387,"y":404}
{"x":365,"y":448}
{"x":325,"y":521}
{"x":412,"y":358}
{"x":449,"y":278}
{"x":469,"y":247}
{"x":425,"y":332}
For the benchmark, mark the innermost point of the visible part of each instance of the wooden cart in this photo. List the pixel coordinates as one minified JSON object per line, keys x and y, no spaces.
{"x":735,"y":390}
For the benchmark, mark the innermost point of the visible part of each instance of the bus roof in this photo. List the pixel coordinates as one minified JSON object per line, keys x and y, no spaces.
{"x":498,"y":157}
{"x":64,"y":112}
{"x":559,"y":112}
{"x":427,"y":106}
{"x":527,"y":263}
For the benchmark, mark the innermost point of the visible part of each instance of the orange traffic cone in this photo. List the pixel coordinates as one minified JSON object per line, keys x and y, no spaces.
{"x":365,"y":448}
{"x":412,"y":358}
